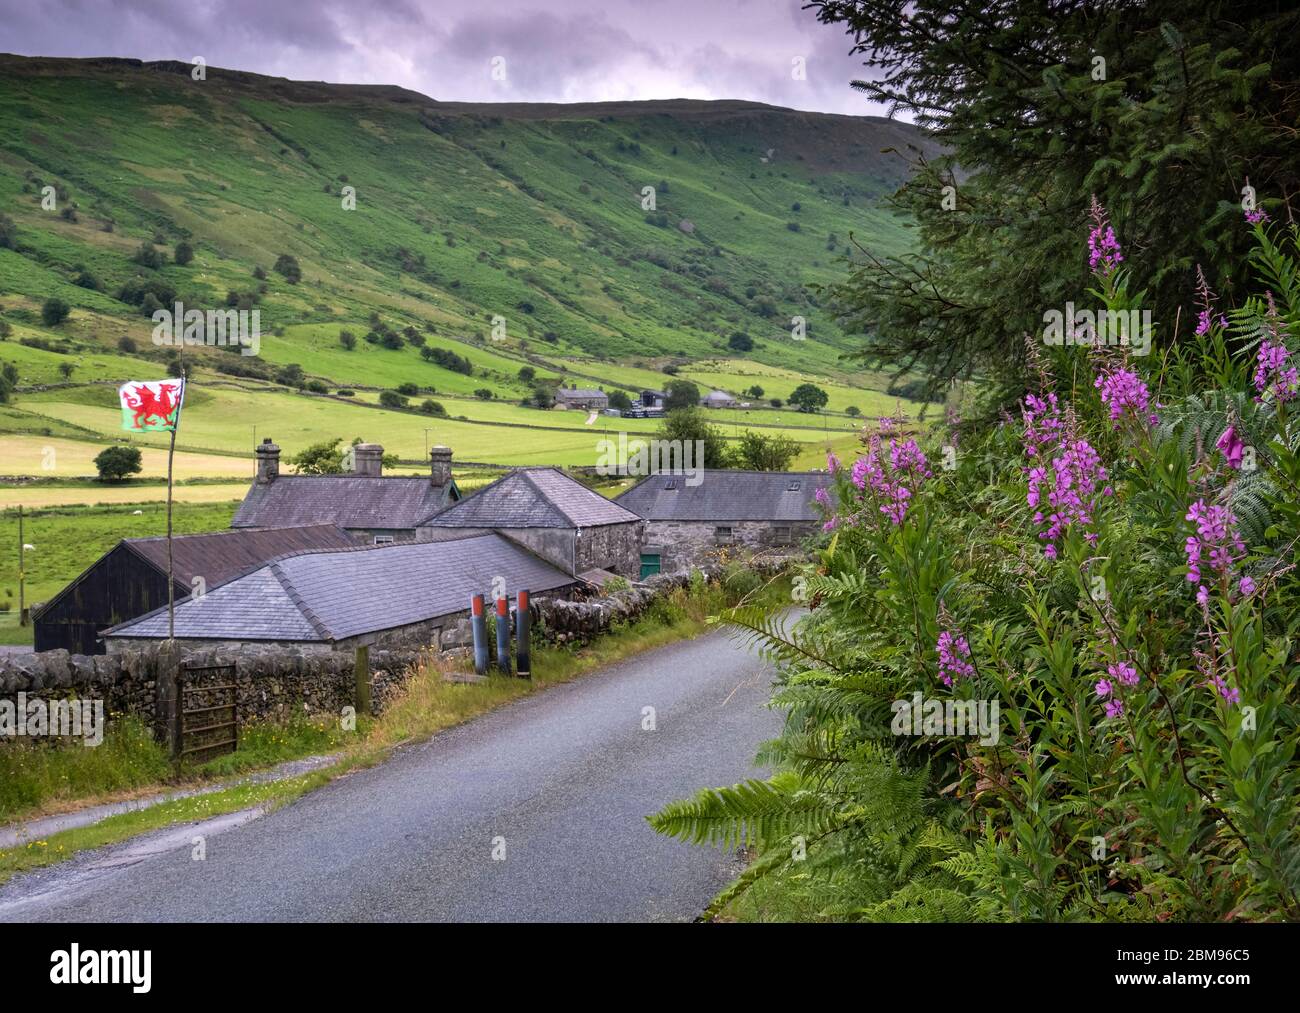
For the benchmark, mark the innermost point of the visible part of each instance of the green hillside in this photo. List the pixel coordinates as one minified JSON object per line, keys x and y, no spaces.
{"x":462,"y":212}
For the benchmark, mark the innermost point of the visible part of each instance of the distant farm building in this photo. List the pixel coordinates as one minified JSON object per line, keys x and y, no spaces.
{"x":130,"y":579}
{"x":719,"y":399}
{"x":587,"y":400}
{"x":372,"y":506}
{"x":653,"y":398}
{"x":555,"y":516}
{"x":769,"y":511}
{"x":392,"y":596}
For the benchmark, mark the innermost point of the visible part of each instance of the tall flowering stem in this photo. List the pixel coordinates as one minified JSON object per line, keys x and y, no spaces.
{"x":1104,"y":253}
{"x":888,"y":476}
{"x":1274,"y":372}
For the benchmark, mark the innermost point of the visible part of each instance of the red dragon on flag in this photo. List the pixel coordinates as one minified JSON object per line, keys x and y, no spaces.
{"x":151,"y":405}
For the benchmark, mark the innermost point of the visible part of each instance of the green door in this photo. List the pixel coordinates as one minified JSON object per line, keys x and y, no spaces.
{"x":649,"y":564}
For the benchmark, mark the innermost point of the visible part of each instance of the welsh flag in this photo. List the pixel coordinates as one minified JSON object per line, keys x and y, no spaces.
{"x":151,"y":406}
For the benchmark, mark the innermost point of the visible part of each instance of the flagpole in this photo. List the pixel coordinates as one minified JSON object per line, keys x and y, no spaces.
{"x":171,"y":453}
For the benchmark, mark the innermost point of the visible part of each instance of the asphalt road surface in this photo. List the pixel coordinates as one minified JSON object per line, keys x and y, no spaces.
{"x":533,"y":812}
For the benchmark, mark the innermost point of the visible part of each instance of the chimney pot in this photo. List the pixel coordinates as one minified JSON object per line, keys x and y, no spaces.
{"x":268,"y":462}
{"x":440,"y":466}
{"x":368,"y":459}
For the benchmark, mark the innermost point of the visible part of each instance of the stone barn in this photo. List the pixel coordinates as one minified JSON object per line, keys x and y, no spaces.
{"x":555,"y":516}
{"x":131,"y":578}
{"x":589,"y":400}
{"x":759,"y":510}
{"x":403,"y":595}
{"x":374,"y":507}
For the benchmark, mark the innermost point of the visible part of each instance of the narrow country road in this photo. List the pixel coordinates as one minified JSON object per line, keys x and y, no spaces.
{"x":563,"y":779}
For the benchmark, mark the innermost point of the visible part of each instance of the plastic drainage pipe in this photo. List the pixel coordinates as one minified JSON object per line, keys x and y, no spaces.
{"x":478,"y":623}
{"x":503,"y":634}
{"x":523,"y":631}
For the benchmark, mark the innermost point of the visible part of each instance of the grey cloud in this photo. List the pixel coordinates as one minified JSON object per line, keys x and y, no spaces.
{"x":555,"y":50}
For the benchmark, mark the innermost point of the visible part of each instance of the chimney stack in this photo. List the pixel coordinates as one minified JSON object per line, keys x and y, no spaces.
{"x":368,"y":459}
{"x":440,"y":467}
{"x":268,"y":462}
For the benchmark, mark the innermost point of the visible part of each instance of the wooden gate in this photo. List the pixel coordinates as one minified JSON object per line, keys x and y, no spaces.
{"x":207,"y":712}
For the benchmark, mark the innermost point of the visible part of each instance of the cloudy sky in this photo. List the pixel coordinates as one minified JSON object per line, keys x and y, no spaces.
{"x":540,"y":50}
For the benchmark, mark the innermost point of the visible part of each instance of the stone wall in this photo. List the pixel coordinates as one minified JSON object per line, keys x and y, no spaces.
{"x":271,"y":681}
{"x":686,"y":544}
{"x":579,"y":622}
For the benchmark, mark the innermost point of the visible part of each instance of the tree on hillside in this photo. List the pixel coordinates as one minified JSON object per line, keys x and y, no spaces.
{"x":147,"y":255}
{"x":391,"y":399}
{"x":54,"y":312}
{"x":681,"y":394}
{"x":66,"y":369}
{"x":690,"y":424}
{"x":765,"y":453}
{"x":322,"y":458}
{"x":290,"y":374}
{"x":527,"y":374}
{"x":1163,"y":109}
{"x":619,"y":399}
{"x":808,"y":397}
{"x":287,"y":265}
{"x":740,"y":342}
{"x":348,"y":340}
{"x":183,"y":254}
{"x":115,"y":463}
{"x":8,"y":233}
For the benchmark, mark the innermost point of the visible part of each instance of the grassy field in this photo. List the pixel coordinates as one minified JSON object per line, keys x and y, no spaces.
{"x":59,"y":457}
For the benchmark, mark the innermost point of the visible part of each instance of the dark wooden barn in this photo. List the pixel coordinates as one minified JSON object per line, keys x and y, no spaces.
{"x":131,"y":578}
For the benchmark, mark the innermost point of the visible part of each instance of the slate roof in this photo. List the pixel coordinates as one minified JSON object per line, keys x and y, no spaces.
{"x":333,"y":595}
{"x":221,"y":555}
{"x":573,"y":392}
{"x":350,"y":501}
{"x":532,"y":498}
{"x":778,"y":496}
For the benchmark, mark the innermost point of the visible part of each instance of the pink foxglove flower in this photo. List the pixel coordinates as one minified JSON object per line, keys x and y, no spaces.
{"x":1231,"y":447}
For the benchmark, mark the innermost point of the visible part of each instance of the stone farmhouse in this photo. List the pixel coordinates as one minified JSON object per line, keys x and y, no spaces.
{"x":374,"y":507}
{"x":131,"y":578}
{"x":763,"y":511}
{"x":560,"y":519}
{"x":588,"y":400}
{"x":409,"y":594}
